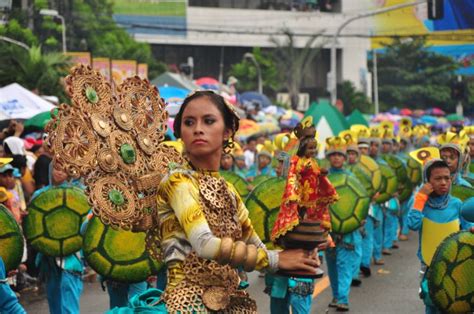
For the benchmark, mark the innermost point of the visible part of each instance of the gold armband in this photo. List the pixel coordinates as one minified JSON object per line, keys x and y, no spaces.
{"x":225,"y":251}
{"x":251,"y":260}
{"x":239,"y":254}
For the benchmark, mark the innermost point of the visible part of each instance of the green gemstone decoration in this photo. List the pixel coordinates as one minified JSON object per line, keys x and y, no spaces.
{"x":116,"y":197}
{"x":128,"y":154}
{"x":91,"y":95}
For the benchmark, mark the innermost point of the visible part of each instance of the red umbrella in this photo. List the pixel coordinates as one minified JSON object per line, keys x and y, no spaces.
{"x":206,"y":80}
{"x":406,"y":112}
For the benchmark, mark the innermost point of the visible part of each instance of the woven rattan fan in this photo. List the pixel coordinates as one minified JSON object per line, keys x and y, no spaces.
{"x":112,"y":137}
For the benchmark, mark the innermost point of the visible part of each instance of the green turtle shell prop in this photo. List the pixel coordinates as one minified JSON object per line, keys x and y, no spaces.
{"x":372,"y":169}
{"x":237,"y":181}
{"x":263,"y":204}
{"x":471,"y":167}
{"x":259,"y":179}
{"x":405,"y":187}
{"x":118,"y":254}
{"x":352,"y":207}
{"x":363,"y":178}
{"x":11,"y":240}
{"x":450,"y":277}
{"x":462,"y":192}
{"x":54,"y":220}
{"x":389,"y":184}
{"x":414,"y":171}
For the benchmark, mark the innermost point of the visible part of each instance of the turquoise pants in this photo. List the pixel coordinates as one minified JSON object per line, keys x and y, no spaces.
{"x":390,"y":228}
{"x":340,"y":263}
{"x":8,"y":301}
{"x":404,"y":219}
{"x":358,"y":254}
{"x":63,"y":290}
{"x":378,"y":239}
{"x":368,"y":242}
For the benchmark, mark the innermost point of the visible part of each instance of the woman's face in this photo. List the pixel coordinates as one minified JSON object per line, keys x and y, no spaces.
{"x":263,"y":161}
{"x":59,"y":176}
{"x":202,"y":128}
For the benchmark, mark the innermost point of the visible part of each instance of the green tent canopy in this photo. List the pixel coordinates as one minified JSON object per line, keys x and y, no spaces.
{"x":327,"y":119}
{"x":174,"y":79}
{"x":39,"y":121}
{"x":356,"y":117}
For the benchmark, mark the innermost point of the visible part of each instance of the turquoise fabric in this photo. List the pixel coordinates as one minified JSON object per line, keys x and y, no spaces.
{"x":368,"y":242}
{"x":147,"y":302}
{"x":340,"y":263}
{"x":8,"y":301}
{"x":443,"y":215}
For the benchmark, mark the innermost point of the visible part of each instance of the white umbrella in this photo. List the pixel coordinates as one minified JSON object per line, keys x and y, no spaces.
{"x":16,"y":102}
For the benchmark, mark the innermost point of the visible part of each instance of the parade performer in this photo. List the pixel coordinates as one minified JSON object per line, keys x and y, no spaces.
{"x":469,"y":167}
{"x":342,"y":260}
{"x":63,"y":276}
{"x":392,"y":206}
{"x":263,"y":165}
{"x":378,"y":214}
{"x":435,"y":213}
{"x":406,"y":146}
{"x":202,"y":242}
{"x":353,"y":156}
{"x":362,"y":133}
{"x":452,"y":147}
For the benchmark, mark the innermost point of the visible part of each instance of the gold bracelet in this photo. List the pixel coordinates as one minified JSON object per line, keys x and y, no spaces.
{"x":239,"y":254}
{"x":225,"y":251}
{"x":251,"y":260}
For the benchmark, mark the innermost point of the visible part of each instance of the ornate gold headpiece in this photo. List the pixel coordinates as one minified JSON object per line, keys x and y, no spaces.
{"x":113,"y":139}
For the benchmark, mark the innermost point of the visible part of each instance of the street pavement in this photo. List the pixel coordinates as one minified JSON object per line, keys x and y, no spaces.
{"x":392,"y":288}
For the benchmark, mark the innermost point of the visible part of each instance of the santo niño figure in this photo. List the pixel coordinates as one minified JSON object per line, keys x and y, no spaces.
{"x":304,"y":220}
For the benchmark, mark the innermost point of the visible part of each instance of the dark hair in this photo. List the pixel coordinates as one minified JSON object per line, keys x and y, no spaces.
{"x":230,"y":119}
{"x":435,"y":165}
{"x":302,"y":146}
{"x":18,"y":162}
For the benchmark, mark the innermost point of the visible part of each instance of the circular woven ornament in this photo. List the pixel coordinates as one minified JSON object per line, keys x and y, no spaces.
{"x":216,"y":298}
{"x":146,"y":144}
{"x":89,"y":91}
{"x":126,"y":153}
{"x":114,"y":202}
{"x":164,"y":159}
{"x":123,"y":119}
{"x":107,"y":160}
{"x":100,"y":125}
{"x":146,"y":106}
{"x":75,"y":144}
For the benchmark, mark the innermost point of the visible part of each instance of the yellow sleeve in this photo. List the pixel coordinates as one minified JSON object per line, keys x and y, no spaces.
{"x":249,"y":235}
{"x":181,"y":192}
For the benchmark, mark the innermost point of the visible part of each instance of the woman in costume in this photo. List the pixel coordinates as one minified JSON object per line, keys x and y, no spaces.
{"x":205,"y":231}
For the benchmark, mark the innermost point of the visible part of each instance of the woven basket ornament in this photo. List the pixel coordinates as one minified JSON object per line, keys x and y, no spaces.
{"x":112,"y":138}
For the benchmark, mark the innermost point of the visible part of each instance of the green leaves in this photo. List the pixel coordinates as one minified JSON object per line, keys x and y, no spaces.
{"x":412,"y":76}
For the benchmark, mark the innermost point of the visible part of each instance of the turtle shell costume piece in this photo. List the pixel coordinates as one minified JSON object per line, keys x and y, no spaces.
{"x":54,"y":220}
{"x":11,"y":240}
{"x":237,"y":181}
{"x":113,"y":138}
{"x":352,"y":208}
{"x":450,"y":276}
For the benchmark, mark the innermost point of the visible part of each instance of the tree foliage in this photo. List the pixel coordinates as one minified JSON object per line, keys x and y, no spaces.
{"x":353,"y":99}
{"x":411,"y":76}
{"x":33,"y":69}
{"x":246,"y":72}
{"x":293,"y":62}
